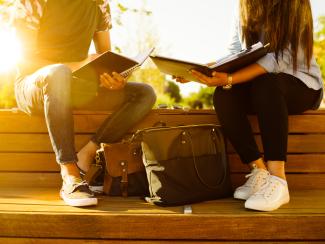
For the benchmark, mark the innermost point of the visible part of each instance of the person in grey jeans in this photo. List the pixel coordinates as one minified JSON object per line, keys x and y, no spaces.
{"x":55,"y":43}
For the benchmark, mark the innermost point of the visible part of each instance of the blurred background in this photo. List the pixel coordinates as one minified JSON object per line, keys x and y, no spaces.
{"x":185,"y":29}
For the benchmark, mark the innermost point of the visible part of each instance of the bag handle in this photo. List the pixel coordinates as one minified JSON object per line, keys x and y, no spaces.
{"x":214,"y":139}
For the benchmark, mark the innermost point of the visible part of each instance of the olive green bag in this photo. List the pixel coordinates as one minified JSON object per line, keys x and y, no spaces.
{"x":185,"y":164}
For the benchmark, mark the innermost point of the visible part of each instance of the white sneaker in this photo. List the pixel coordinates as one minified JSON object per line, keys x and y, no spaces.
{"x":75,"y":192}
{"x":271,"y":196}
{"x":97,"y":189}
{"x":256,"y":179}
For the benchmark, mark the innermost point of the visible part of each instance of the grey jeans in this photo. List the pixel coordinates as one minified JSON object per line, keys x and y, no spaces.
{"x":53,"y":90}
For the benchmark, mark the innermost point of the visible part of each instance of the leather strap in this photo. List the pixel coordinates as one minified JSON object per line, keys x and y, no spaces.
{"x":107,"y":183}
{"x":124,"y":180}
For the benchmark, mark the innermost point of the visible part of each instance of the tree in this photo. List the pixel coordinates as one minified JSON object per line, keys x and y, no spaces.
{"x":320,"y":45}
{"x":139,"y":36}
{"x":173,"y":90}
{"x":7,"y":77}
{"x":201,"y":99}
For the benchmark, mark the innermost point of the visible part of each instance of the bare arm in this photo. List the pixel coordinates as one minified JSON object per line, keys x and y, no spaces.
{"x":248,"y":73}
{"x":102,"y":41}
{"x":220,"y":79}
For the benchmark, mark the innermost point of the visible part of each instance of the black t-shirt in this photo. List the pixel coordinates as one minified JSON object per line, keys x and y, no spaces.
{"x":64,"y":28}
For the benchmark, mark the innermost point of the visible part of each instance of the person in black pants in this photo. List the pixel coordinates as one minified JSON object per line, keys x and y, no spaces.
{"x":285,"y":81}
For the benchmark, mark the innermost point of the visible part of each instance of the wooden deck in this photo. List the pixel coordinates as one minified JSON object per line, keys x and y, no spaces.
{"x":38,"y":213}
{"x":31,"y":211}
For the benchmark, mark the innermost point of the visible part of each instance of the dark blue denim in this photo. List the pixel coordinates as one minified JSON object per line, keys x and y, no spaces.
{"x":53,"y":91}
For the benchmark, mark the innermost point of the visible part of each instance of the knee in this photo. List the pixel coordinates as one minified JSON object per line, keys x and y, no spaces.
{"x":145,"y":92}
{"x":58,"y":79}
{"x":150,"y":94}
{"x":59,"y":75}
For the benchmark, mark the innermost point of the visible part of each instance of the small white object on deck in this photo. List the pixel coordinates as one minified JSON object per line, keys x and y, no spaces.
{"x":187,"y":209}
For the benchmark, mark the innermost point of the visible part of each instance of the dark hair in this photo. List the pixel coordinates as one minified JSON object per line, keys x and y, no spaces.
{"x":284,"y":23}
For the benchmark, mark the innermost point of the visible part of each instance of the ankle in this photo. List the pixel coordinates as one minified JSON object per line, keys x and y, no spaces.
{"x":277,"y":168}
{"x":259,"y":164}
{"x":279,"y":175}
{"x":86,"y":155}
{"x":69,"y":169}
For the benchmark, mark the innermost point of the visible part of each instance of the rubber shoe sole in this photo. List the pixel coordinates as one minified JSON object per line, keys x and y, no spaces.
{"x":251,"y":205}
{"x":82,"y":202}
{"x":241,"y":196}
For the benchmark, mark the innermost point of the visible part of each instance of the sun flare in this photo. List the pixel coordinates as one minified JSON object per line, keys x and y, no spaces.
{"x":10,"y":49}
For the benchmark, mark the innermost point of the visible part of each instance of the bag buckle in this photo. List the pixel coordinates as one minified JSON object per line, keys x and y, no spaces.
{"x":124,"y":180}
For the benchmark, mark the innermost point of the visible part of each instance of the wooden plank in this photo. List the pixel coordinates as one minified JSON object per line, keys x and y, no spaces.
{"x":33,"y":179}
{"x":297,"y":163}
{"x":45,"y":162}
{"x":311,"y":143}
{"x":8,"y":179}
{"x":28,"y":162}
{"x":41,"y":143}
{"x":94,"y":241}
{"x":45,"y":200}
{"x":36,"y":212}
{"x":33,"y":142}
{"x":194,"y":227}
{"x":306,"y":123}
{"x":88,"y":122}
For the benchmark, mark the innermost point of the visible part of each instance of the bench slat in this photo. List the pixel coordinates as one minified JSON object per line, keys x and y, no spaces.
{"x":88,"y":123}
{"x":310,"y":143}
{"x":42,"y":215}
{"x":33,"y":142}
{"x":45,"y":162}
{"x":28,"y":162}
{"x":41,"y":143}
{"x":297,"y":163}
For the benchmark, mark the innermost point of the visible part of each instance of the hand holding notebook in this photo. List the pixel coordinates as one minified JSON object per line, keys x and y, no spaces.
{"x":229,"y":64}
{"x":110,"y":62}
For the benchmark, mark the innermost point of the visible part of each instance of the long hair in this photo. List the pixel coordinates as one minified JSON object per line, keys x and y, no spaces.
{"x":284,"y":24}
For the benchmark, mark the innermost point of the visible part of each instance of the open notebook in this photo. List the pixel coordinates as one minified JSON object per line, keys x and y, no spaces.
{"x":227,"y":64}
{"x":109,"y":62}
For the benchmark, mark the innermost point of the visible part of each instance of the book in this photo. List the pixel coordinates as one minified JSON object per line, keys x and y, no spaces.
{"x":109,"y":62}
{"x":228,"y":64}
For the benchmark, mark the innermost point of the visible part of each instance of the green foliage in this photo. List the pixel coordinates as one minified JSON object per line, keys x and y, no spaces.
{"x":165,"y":99}
{"x":320,"y":45}
{"x":172,"y":89}
{"x":201,"y":99}
{"x":6,"y":10}
{"x":320,"y":35}
{"x":7,"y":97}
{"x":150,"y":75}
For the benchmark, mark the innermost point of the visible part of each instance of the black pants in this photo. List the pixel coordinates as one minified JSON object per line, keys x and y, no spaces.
{"x":271,"y":97}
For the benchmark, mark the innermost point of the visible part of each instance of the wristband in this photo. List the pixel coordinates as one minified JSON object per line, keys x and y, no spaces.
{"x":229,"y":83}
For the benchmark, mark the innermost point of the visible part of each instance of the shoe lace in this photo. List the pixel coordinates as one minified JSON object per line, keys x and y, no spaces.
{"x":77,"y":184}
{"x":268,"y":188}
{"x":256,"y":178}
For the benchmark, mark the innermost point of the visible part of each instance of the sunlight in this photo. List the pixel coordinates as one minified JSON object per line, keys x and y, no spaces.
{"x":10,"y":49}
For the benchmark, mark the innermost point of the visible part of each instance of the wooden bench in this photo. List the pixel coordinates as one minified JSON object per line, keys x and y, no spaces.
{"x":30,"y":208}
